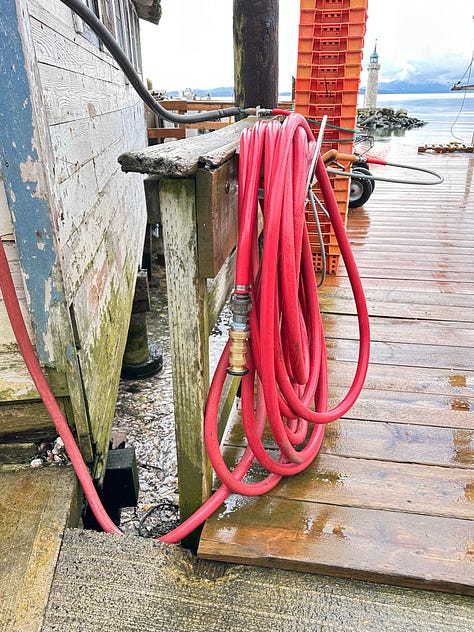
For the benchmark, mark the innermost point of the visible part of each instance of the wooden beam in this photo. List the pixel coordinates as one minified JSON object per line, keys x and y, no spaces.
{"x":166,"y":132}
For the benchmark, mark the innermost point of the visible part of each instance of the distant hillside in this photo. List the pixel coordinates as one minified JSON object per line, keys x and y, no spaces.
{"x":204,"y":92}
{"x":391,"y":87}
{"x":405,"y":87}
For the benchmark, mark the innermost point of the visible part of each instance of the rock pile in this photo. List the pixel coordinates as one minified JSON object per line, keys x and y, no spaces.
{"x":386,"y":118}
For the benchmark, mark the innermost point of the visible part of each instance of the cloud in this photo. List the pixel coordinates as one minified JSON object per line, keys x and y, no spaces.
{"x":445,"y":69}
{"x":406,"y":73}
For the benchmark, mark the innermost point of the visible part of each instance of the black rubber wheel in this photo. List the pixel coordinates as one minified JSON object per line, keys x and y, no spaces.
{"x":360,"y":190}
{"x":363,"y":168}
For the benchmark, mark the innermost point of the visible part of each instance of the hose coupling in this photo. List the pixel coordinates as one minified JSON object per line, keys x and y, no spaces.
{"x":240,"y":305}
{"x":238,"y":350}
{"x":259,"y":111}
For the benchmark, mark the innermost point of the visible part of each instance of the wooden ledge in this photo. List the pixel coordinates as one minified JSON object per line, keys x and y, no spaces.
{"x":183,"y":158}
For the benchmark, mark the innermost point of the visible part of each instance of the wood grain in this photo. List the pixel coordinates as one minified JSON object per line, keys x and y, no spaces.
{"x":386,"y":546}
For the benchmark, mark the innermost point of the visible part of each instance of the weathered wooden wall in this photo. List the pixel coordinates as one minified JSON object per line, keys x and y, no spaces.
{"x":90,"y":115}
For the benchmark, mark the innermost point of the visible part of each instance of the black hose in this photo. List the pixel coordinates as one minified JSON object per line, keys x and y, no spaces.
{"x":103,"y":34}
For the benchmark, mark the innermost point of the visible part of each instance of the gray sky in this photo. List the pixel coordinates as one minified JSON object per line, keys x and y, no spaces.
{"x":192,"y":45}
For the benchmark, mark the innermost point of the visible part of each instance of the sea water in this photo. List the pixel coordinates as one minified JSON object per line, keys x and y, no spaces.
{"x":449,"y":117}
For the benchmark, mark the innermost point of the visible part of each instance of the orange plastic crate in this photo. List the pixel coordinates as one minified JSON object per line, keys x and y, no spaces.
{"x":329,"y":249}
{"x":332,"y":263}
{"x":326,"y":44}
{"x":333,"y":111}
{"x":334,"y":4}
{"x":354,"y":15}
{"x":306,"y":97}
{"x":344,"y":29}
{"x":344,"y":84}
{"x":316,"y":58}
{"x":331,"y":72}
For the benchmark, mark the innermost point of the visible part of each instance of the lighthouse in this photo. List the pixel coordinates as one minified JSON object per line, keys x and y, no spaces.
{"x":370,"y":100}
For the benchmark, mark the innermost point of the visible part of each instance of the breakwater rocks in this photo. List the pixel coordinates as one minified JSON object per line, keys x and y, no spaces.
{"x":386,"y":118}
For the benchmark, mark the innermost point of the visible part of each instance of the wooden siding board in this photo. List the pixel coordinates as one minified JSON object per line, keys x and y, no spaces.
{"x":25,"y":178}
{"x":56,"y":45}
{"x":93,"y":116}
{"x":69,"y":96}
{"x":89,"y":115}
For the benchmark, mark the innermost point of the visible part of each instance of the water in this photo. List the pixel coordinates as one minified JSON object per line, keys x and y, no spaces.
{"x":449,"y":116}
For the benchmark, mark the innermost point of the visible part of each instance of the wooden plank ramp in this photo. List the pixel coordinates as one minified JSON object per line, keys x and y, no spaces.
{"x":390,"y":498}
{"x":37,"y":505}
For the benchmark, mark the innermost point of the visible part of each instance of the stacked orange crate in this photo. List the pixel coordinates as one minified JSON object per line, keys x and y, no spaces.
{"x":331,"y":39}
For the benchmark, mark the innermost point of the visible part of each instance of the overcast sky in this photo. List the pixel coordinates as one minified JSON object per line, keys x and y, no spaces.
{"x":416,"y":39}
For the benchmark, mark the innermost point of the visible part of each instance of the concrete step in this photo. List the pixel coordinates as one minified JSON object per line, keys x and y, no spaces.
{"x":126,"y":584}
{"x":36,"y":505}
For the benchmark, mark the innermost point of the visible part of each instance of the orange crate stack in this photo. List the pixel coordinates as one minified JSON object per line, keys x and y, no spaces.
{"x":331,"y":39}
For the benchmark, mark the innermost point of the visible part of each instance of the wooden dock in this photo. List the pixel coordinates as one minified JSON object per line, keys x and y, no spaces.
{"x":390,"y":498}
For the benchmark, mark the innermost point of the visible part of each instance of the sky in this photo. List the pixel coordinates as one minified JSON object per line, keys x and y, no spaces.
{"x":416,"y":40}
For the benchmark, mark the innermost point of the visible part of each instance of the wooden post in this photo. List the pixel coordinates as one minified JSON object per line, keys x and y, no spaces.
{"x":192,"y":184}
{"x":256,"y":53}
{"x":188,"y":332}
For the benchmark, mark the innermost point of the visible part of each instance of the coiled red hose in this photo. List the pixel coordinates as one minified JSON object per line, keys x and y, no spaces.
{"x":287,"y":353}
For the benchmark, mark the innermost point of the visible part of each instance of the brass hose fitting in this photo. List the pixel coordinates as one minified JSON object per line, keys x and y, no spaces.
{"x":238,"y":350}
{"x":240,"y":305}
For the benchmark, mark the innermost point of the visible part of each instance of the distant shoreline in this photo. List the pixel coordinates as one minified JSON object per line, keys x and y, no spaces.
{"x":227,"y":92}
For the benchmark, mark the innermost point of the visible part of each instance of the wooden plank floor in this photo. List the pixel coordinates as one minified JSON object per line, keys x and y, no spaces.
{"x":391,"y":496}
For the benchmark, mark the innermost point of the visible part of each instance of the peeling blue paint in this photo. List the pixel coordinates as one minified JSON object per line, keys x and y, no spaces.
{"x":18,"y":157}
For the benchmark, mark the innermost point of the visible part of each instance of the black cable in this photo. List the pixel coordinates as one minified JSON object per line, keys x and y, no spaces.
{"x":108,"y":40}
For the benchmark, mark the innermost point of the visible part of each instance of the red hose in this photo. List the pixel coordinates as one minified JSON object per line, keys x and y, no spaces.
{"x":21,"y":334}
{"x":287,"y":353}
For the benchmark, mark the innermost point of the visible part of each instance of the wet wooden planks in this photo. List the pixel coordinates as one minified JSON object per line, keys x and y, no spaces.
{"x":391,"y":496}
{"x":36,"y":506}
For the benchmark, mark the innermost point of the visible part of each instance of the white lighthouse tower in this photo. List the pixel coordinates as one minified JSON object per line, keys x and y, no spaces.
{"x":370,"y":100}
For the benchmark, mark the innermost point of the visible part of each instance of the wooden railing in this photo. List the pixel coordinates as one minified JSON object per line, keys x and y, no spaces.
{"x":158,"y":129}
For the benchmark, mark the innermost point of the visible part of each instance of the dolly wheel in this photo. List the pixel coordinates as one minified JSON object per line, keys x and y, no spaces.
{"x":360,"y":189}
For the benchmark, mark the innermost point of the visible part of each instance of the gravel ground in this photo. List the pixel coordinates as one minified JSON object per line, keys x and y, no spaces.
{"x":145,"y":414}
